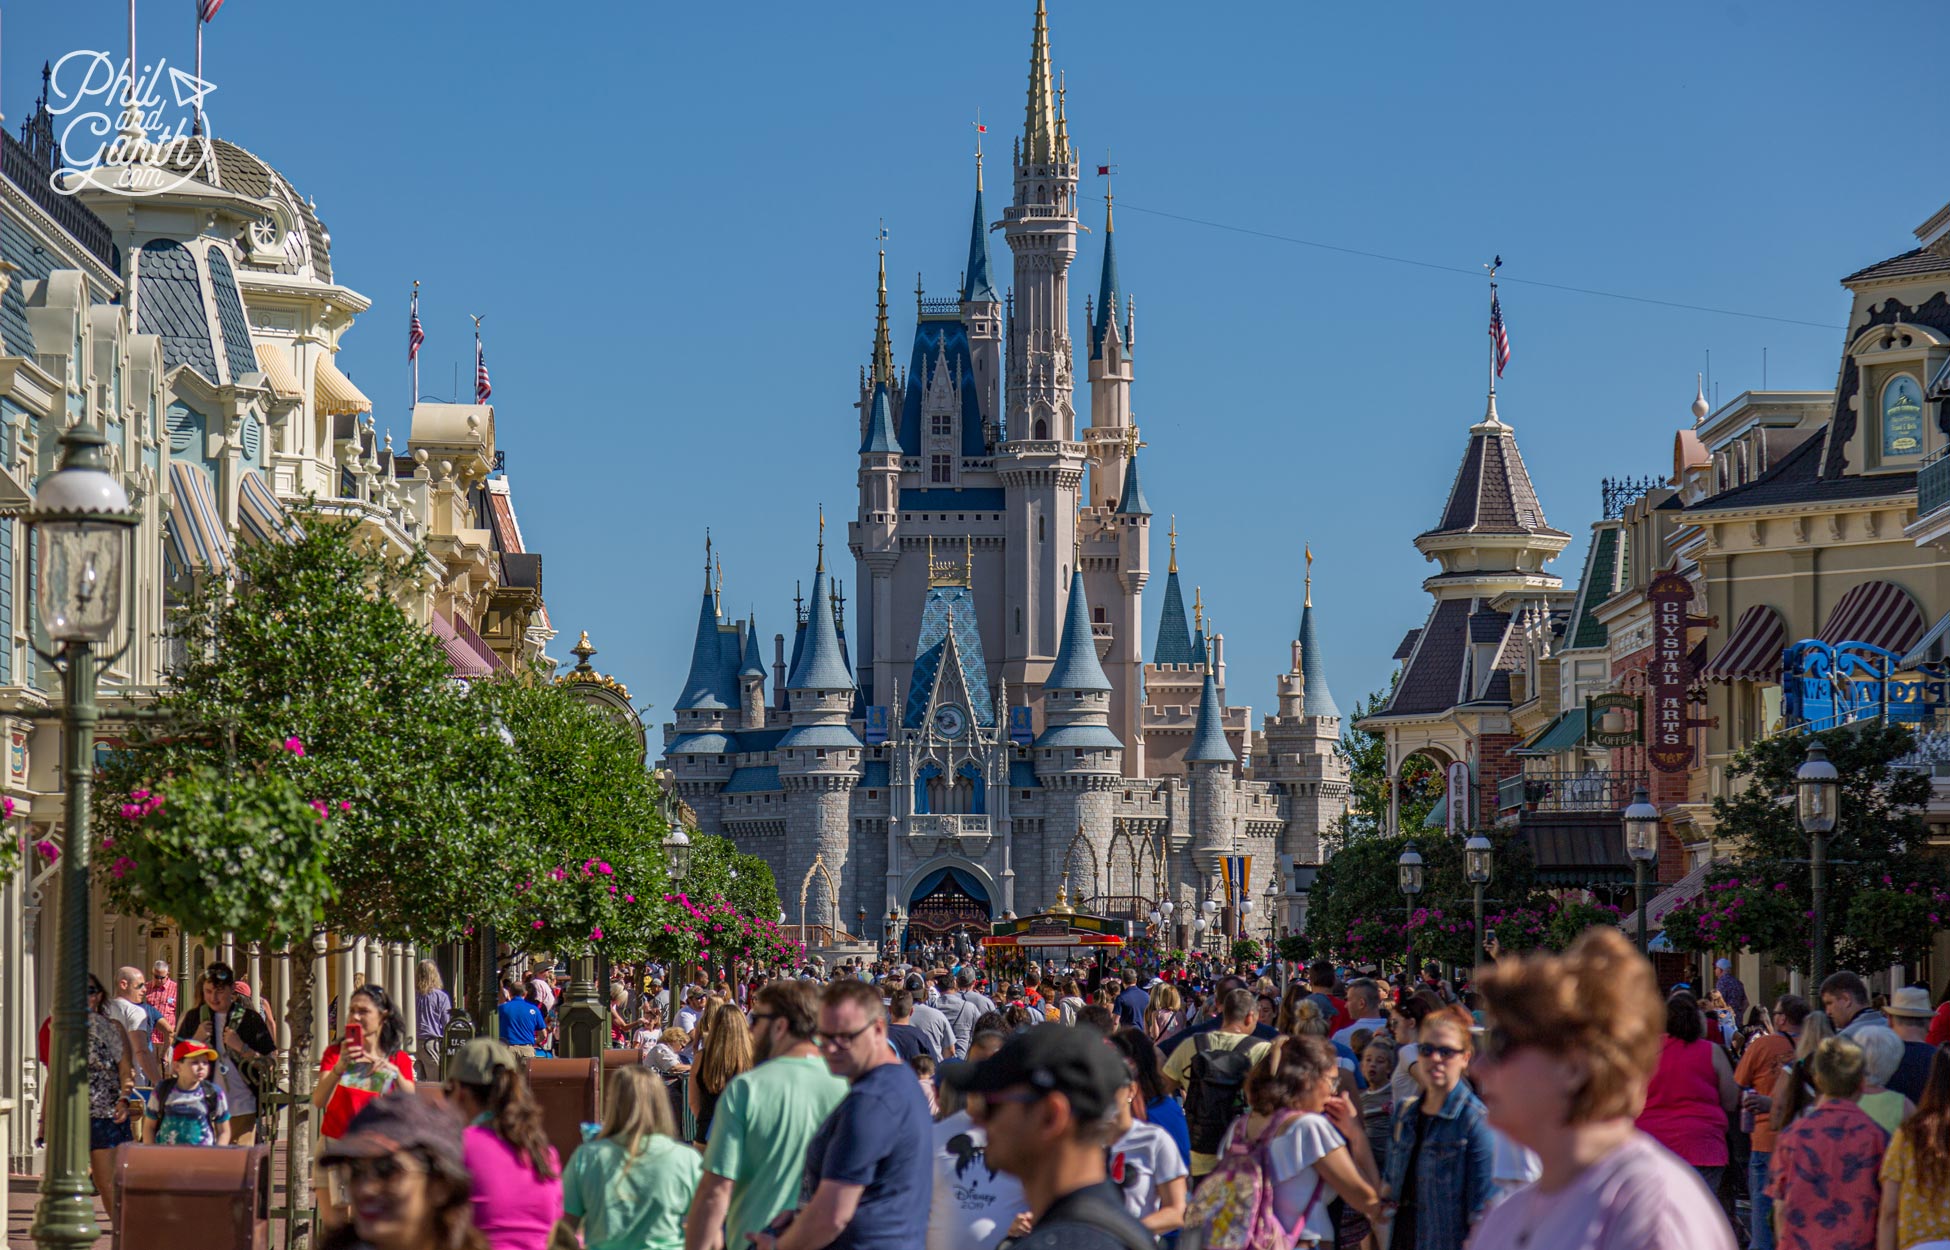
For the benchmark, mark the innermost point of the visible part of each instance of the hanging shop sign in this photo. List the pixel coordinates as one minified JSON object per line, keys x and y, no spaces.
{"x":1669,"y":674}
{"x":1614,"y":720}
{"x":1823,"y":686}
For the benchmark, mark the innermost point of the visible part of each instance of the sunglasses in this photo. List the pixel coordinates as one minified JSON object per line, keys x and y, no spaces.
{"x":1442,"y":1054}
{"x":387,"y":1169}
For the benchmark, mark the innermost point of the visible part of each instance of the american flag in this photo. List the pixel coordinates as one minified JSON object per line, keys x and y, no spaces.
{"x":1499,"y":335}
{"x":414,"y":334}
{"x":483,"y":389}
{"x":207,"y":9}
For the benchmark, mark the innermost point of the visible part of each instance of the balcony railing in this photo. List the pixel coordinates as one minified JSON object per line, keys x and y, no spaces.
{"x":1933,"y":484}
{"x":947,"y":825}
{"x":1567,"y":792}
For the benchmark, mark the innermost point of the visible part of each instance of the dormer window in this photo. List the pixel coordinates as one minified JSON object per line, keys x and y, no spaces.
{"x":1902,"y":416}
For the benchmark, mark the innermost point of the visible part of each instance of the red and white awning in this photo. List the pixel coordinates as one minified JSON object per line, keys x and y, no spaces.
{"x":1879,"y":613}
{"x":1753,"y":650}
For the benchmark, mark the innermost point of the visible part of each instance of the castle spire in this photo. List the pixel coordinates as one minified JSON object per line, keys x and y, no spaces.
{"x":1209,"y":745}
{"x":883,"y":341}
{"x":1109,"y":294}
{"x":1313,"y":667}
{"x":977,"y":286}
{"x":1174,"y":635}
{"x":1076,"y":666}
{"x":1039,"y":146}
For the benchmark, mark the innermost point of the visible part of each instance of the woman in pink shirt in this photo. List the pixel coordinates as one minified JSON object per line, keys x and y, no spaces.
{"x":1571,"y":1044}
{"x":517,"y":1176}
{"x":1692,"y":1093}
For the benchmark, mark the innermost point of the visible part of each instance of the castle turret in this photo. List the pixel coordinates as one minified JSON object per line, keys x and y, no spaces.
{"x":981,"y":315}
{"x":1174,"y":644}
{"x":1079,"y":759}
{"x":751,"y":680}
{"x":819,"y":757}
{"x":1301,"y":758}
{"x":1210,"y":760}
{"x":1110,"y":378}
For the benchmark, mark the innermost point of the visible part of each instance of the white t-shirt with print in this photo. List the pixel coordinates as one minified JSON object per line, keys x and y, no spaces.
{"x":1308,"y":1138}
{"x":1141,"y":1161}
{"x":973,"y":1204}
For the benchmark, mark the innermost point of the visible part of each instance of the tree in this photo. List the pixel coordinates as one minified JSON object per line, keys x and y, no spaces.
{"x":305,"y":676}
{"x":1883,"y":886}
{"x":1357,"y":909}
{"x":1366,"y":756}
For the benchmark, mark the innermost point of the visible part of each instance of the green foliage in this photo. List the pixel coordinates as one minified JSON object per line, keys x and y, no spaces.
{"x":1366,"y":756}
{"x":1762,"y":897}
{"x":225,"y":852}
{"x":310,"y":646}
{"x":1357,"y":910}
{"x":1295,"y":948}
{"x":1247,"y":950}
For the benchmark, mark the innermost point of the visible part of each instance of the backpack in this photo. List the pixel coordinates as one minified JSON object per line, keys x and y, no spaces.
{"x":167,"y":1086}
{"x":1233,"y":1208}
{"x":1215,"y":1092}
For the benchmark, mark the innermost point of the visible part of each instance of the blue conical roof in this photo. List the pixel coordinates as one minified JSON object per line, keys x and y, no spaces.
{"x":1313,"y":669}
{"x":1132,"y":503}
{"x":822,"y":666}
{"x":977,"y":287}
{"x":1174,"y":630}
{"x":1198,"y":647}
{"x":754,"y":661}
{"x":702,"y":685}
{"x":1209,"y":745}
{"x":1076,"y":666}
{"x":882,"y":438}
{"x":1110,"y":296}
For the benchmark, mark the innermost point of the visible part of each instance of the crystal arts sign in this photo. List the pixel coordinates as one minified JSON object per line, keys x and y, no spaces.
{"x":1669,"y":674}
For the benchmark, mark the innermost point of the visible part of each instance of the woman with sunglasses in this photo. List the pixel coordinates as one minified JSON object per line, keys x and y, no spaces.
{"x":400,"y":1162}
{"x":1571,"y":1045}
{"x":1441,"y":1154}
{"x":111,"y":1086}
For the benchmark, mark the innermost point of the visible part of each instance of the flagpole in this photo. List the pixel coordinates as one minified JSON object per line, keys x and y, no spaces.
{"x":134,"y":66}
{"x":198,"y":4}
{"x":414,"y":399}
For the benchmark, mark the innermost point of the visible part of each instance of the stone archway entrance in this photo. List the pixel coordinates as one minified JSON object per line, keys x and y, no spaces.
{"x":949,"y":910}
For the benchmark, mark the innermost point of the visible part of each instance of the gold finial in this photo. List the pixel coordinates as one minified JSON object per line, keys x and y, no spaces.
{"x":718,"y":594}
{"x":582,"y":651}
{"x":1131,"y":441}
{"x":1174,"y":544}
{"x":822,"y":540}
{"x":1062,"y":119}
{"x":968,"y":561}
{"x":1062,"y":905}
{"x":883,"y":342}
{"x":1310,"y":576}
{"x":1198,"y":606}
{"x":1110,"y":222}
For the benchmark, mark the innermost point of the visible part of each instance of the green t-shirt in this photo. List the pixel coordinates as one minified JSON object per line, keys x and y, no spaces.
{"x":765,"y":1120}
{"x":631,"y":1204}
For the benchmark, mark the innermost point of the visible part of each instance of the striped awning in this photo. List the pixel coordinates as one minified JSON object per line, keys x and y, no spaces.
{"x":278,"y":371}
{"x":467,"y":656}
{"x":333,"y":393}
{"x":1753,"y":650}
{"x":1879,"y":613}
{"x":197,"y":542}
{"x":261,"y":516}
{"x":1931,"y":648}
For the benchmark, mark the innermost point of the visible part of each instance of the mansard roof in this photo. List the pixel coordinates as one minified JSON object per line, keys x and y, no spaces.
{"x":1076,"y":666}
{"x":1492,"y":493}
{"x":1432,"y":679}
{"x":942,"y":343}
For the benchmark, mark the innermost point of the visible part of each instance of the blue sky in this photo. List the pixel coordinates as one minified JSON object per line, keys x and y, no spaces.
{"x":667,"y":214}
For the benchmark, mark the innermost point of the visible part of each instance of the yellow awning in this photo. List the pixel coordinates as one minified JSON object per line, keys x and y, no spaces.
{"x":284,"y":382}
{"x":334,"y":393}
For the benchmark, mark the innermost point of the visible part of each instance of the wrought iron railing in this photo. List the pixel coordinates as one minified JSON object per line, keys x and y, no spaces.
{"x":1933,"y":484}
{"x":1568,"y":792}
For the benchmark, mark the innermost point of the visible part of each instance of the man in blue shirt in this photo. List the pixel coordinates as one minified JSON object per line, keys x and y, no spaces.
{"x":1131,"y":1004}
{"x":522,"y":1021}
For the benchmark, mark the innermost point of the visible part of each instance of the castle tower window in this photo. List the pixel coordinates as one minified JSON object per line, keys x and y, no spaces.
{"x":938,"y":425}
{"x":941,"y":468}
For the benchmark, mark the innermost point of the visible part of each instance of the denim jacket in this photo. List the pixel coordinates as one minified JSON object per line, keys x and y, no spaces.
{"x":1452,"y":1174}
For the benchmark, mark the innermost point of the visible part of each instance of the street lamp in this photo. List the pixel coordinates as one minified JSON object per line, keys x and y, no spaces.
{"x":80,"y":523}
{"x":1408,"y":870}
{"x":1642,"y":844}
{"x":1477,"y":853}
{"x":1817,"y":788}
{"x":677,"y":862}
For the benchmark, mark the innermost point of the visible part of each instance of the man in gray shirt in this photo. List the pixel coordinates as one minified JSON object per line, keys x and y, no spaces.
{"x":930,"y":1020}
{"x":958,"y":1011}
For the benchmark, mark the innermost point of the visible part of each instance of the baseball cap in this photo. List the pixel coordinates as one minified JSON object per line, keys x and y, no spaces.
{"x":481,"y":1058}
{"x":1722,"y":964}
{"x":1055,"y":1059}
{"x":398,"y":1121}
{"x":190,"y":1050}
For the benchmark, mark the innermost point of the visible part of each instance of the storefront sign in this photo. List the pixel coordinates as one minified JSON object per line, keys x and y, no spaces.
{"x":1614,"y":720}
{"x":1669,"y":743}
{"x":1902,"y":417}
{"x":1457,"y":799}
{"x":1824,"y":686}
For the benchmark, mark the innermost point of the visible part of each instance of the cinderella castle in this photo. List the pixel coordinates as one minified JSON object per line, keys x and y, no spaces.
{"x":1000,"y":728}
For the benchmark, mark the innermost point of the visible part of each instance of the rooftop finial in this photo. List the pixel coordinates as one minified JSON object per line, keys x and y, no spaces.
{"x":718,"y":594}
{"x":1198,"y":607}
{"x":822,"y":540}
{"x":1174,"y":549}
{"x":1039,"y":126}
{"x":980,"y":130}
{"x":582,"y":651}
{"x":1310,"y":576}
{"x":883,"y":342}
{"x":707,"y":557}
{"x":1499,"y":341}
{"x":1700,"y":406}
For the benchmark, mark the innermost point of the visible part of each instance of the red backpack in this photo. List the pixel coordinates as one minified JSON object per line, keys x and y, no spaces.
{"x":1233,"y":1208}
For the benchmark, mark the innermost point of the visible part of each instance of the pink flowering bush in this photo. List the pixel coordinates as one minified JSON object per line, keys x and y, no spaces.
{"x":1744,"y":909}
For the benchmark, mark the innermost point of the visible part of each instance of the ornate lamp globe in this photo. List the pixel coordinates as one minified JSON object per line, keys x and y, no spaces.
{"x":1409,"y":870}
{"x":1642,"y":826}
{"x":1167,"y":907}
{"x":82,"y":518}
{"x":1477,"y":853}
{"x":677,"y":851}
{"x":1211,"y":906}
{"x":1817,"y":787}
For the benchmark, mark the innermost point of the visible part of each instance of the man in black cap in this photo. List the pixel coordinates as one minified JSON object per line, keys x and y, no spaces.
{"x":1047,"y":1103}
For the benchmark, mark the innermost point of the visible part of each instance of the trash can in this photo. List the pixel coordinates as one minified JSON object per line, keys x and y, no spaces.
{"x":566,"y":1089}
{"x":193,"y":1197}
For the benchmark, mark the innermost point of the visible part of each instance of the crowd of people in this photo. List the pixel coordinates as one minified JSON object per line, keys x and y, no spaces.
{"x":1554,"y":1100}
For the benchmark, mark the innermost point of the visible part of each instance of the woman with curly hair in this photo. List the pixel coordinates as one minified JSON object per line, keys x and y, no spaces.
{"x":517,"y":1176}
{"x":1571,"y":1044}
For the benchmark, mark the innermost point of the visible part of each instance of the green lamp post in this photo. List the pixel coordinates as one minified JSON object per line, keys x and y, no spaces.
{"x":80,"y":524}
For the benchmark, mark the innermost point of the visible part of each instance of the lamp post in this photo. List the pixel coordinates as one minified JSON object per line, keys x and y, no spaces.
{"x":1408,"y":869}
{"x":81,"y":521}
{"x":1477,"y":854}
{"x":1642,"y":844}
{"x":1817,"y":788}
{"x":677,"y":862}
{"x":1168,"y":907}
{"x":1211,"y":909}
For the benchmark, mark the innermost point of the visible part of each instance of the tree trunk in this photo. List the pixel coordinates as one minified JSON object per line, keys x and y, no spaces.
{"x":300,"y":1202}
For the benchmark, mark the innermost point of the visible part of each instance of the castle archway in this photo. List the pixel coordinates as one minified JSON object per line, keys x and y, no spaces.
{"x":950,"y":904}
